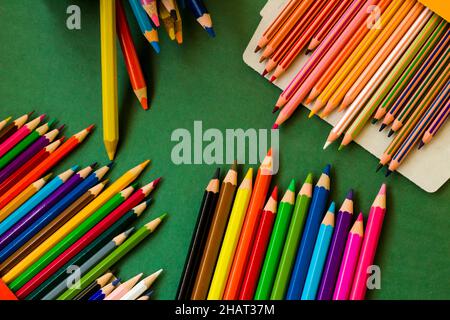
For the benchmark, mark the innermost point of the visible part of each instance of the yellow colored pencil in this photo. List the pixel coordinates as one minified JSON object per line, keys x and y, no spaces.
{"x":109,"y":76}
{"x":167,"y":20}
{"x":75,"y":221}
{"x":231,"y":238}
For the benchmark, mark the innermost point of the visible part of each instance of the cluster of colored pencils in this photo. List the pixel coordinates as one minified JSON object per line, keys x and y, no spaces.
{"x":393,"y":68}
{"x":50,"y":225}
{"x":247,"y":246}
{"x":113,"y":20}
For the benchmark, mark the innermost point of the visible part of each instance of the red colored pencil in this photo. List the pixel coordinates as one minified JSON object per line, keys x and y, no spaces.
{"x":130,"y":56}
{"x":259,"y":248}
{"x":38,"y":158}
{"x":45,"y":166}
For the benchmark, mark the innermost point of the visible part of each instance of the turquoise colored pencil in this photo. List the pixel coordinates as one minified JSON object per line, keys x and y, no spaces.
{"x":319,"y":255}
{"x":145,"y":25}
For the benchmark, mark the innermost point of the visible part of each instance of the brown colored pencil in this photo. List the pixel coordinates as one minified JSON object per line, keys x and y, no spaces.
{"x":54,"y":225}
{"x":215,"y":235}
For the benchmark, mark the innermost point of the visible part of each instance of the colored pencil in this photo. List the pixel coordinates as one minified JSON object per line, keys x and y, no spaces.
{"x":4,"y":122}
{"x":122,"y":289}
{"x":231,"y":238}
{"x":24,"y":144}
{"x":33,"y":202}
{"x":145,"y":25}
{"x":387,"y":84}
{"x":170,"y":7}
{"x":103,"y":292}
{"x":321,"y":246}
{"x":312,"y":225}
{"x":418,"y":78}
{"x":409,"y":131}
{"x":5,"y":293}
{"x":436,"y":125}
{"x":393,"y":55}
{"x":75,"y":221}
{"x":45,"y":166}
{"x":202,"y":15}
{"x":292,"y":241}
{"x":178,"y":25}
{"x":425,"y":93}
{"x":243,"y":250}
{"x":95,"y":286}
{"x":260,"y":243}
{"x":110,"y":110}
{"x":273,"y":28}
{"x":199,"y":236}
{"x":16,"y":164}
{"x":70,"y":181}
{"x":369,"y":245}
{"x":215,"y":235}
{"x":168,"y":22}
{"x":146,"y":295}
{"x":23,"y":197}
{"x":277,"y":240}
{"x":349,"y":260}
{"x":141,"y":287}
{"x":318,"y":54}
{"x":57,"y":282}
{"x":328,"y":18}
{"x":151,"y":7}
{"x":85,"y":264}
{"x":12,"y":127}
{"x":113,"y":257}
{"x":51,"y":261}
{"x":50,"y":228}
{"x":336,"y":250}
{"x":130,"y":57}
{"x":20,"y":134}
{"x":405,"y":14}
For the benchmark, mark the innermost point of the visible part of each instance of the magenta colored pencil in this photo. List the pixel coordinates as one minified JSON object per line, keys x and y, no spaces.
{"x":334,"y":256}
{"x":27,"y":154}
{"x":369,"y":246}
{"x":349,"y":261}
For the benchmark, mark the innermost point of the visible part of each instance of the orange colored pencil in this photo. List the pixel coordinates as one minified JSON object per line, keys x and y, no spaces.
{"x":249,"y":228}
{"x":45,"y":166}
{"x":130,"y":56}
{"x":276,"y":25}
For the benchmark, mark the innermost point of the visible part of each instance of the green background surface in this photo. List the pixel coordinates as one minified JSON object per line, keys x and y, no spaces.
{"x":48,"y":68}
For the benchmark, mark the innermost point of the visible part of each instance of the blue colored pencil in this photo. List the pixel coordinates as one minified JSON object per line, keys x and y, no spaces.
{"x":202,"y":15}
{"x":59,"y":207}
{"x":145,"y":25}
{"x":312,"y":225}
{"x":103,"y":292}
{"x":319,"y":255}
{"x":31,"y":203}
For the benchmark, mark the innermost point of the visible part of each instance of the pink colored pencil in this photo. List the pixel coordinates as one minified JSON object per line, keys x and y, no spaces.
{"x":349,"y":260}
{"x":320,"y":66}
{"x":369,"y":246}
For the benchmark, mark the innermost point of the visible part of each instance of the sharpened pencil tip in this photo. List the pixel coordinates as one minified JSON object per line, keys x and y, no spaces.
{"x":360,"y":217}
{"x":211,"y":32}
{"x":350,"y":194}
{"x":148,"y":201}
{"x":273,"y":78}
{"x":379,"y":167}
{"x":144,"y":103}
{"x":341,"y":147}
{"x":234,"y":166}
{"x":90,"y":128}
{"x":327,"y":169}
{"x":264,"y":72}
{"x":391,"y":132}
{"x":309,"y":178}
{"x":216,"y":174}
{"x":292,"y":185}
{"x":421,"y":144}
{"x":275,"y":126}
{"x":274,"y":194}
{"x":163,"y":216}
{"x":116,"y":282}
{"x":155,"y":183}
{"x":61,"y":128}
{"x":374,"y":121}
{"x":326,"y":145}
{"x":332,"y":207}
{"x":257,"y":49}
{"x":93,"y":165}
{"x":383,"y":125}
{"x":307,"y":51}
{"x":382,"y":189}
{"x":388,"y":173}
{"x":311,"y":114}
{"x":275,"y":109}
{"x":109,"y":165}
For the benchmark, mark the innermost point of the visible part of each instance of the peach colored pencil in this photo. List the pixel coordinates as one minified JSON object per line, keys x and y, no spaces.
{"x":298,"y":31}
{"x":363,"y":61}
{"x":277,"y":23}
{"x":275,"y":42}
{"x":378,"y":77}
{"x":342,"y":57}
{"x":323,"y":64}
{"x":332,"y":18}
{"x":318,"y":54}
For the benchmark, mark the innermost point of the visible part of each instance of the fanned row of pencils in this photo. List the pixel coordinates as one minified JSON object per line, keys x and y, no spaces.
{"x":148,"y":14}
{"x":247,"y":246}
{"x":394,"y":69}
{"x":72,"y":222}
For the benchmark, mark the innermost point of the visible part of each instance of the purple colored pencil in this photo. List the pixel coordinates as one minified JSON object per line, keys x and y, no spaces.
{"x":336,"y":250}
{"x":27,"y":154}
{"x":44,"y":206}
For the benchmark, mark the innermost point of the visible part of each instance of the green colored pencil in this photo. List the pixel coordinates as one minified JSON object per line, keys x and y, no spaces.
{"x":113,"y":257}
{"x":65,"y":243}
{"x":409,"y":73}
{"x":276,"y":243}
{"x":292,"y":240}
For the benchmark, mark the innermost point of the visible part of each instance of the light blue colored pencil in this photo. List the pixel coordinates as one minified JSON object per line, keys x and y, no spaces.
{"x":144,"y":24}
{"x":319,"y":255}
